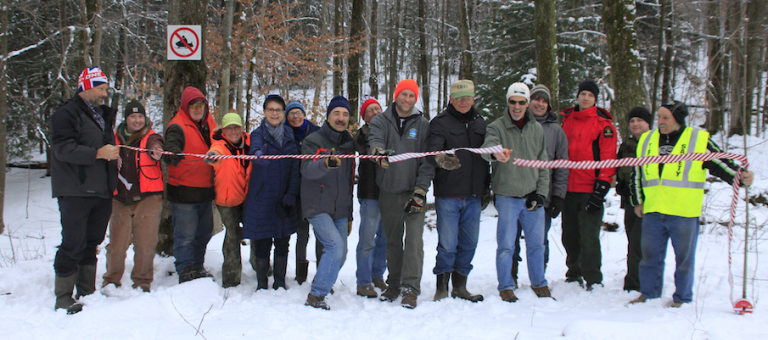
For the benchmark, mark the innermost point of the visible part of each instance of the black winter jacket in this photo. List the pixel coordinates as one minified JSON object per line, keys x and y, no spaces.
{"x":323,"y":190}
{"x":449,"y":130}
{"x":76,"y":137}
{"x":366,"y":170}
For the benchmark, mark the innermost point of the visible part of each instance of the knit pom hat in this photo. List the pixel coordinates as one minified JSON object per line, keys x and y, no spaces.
{"x":294,"y":104}
{"x":338,"y":101}
{"x":642,"y":113}
{"x":407,"y":84}
{"x":589,"y":85}
{"x":90,"y":78}
{"x":679,"y":111}
{"x":365,"y":105}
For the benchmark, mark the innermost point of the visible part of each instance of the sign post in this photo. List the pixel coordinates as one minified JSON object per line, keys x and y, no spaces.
{"x":184,"y":42}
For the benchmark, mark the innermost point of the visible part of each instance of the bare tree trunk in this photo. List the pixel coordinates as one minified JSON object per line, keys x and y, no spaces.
{"x":353,"y":72}
{"x":736,"y":51}
{"x":394,"y":43}
{"x":659,"y":55}
{"x":715,"y":92}
{"x":65,"y":91}
{"x":668,"y":77}
{"x":95,"y":22}
{"x":178,"y":75}
{"x":85,"y":58}
{"x":226,"y":59}
{"x":465,"y":68}
{"x":423,"y":66}
{"x":338,"y":49}
{"x":122,"y":44}
{"x":322,"y":71}
{"x":441,"y":58}
{"x":546,"y":51}
{"x":373,"y":79}
{"x":3,"y":105}
{"x":755,"y":40}
{"x":625,"y":68}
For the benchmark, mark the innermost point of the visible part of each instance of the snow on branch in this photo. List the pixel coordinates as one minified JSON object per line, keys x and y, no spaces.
{"x":17,"y":52}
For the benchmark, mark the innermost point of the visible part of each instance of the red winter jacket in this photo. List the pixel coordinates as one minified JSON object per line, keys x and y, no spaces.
{"x":591,"y":136}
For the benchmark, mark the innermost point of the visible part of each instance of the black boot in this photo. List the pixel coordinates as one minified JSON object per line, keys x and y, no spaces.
{"x":442,"y":286}
{"x":262,"y":267}
{"x":281,"y":263}
{"x":63,"y":288}
{"x":460,"y":289}
{"x":302,"y":269}
{"x":86,"y":280}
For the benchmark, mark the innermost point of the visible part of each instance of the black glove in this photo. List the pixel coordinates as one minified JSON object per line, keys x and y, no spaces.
{"x":416,"y":204}
{"x":555,"y":206}
{"x":447,"y":161}
{"x":382,"y":162}
{"x":210,"y":160}
{"x":534,"y":201}
{"x":486,"y":199}
{"x":597,"y":198}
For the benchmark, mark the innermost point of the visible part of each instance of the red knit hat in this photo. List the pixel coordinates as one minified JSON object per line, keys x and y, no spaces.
{"x":407,"y":84}
{"x":365,"y":105}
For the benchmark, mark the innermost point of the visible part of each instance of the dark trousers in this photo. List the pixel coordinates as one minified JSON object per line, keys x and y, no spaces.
{"x":84,"y":223}
{"x":302,"y":240}
{"x":232,"y":268}
{"x":581,"y":238}
{"x":405,"y":260}
{"x":634,"y":228}
{"x":264,"y":247}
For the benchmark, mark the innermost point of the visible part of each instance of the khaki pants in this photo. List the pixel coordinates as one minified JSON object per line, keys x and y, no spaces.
{"x":135,"y":223}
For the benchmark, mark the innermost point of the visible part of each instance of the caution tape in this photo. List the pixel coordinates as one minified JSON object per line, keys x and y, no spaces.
{"x":557,"y":164}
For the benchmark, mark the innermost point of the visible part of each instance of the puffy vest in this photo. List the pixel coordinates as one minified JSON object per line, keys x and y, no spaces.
{"x":680,"y":190}
{"x":191,"y":171}
{"x":150,"y":173}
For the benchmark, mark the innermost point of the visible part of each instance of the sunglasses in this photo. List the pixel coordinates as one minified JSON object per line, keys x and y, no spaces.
{"x":197,"y":105}
{"x":519,"y":102}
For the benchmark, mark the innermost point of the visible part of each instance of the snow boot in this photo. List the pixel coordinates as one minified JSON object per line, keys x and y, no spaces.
{"x":281,"y":263}
{"x":542,"y":292}
{"x":442,"y":286}
{"x":380,"y":284}
{"x":302,"y":269}
{"x":515,"y":267}
{"x":86,"y":280}
{"x":317,"y":302}
{"x":367,"y":291}
{"x":460,"y":289}
{"x":409,"y":298}
{"x":390,"y":294}
{"x":63,"y":288}
{"x":262,"y":267}
{"x":508,"y":295}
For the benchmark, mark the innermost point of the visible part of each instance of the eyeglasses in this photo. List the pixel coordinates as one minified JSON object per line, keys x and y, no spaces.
{"x":273,"y":110}
{"x":519,"y":102}
{"x":464,"y":99}
{"x":198,"y":105}
{"x":296,"y":113}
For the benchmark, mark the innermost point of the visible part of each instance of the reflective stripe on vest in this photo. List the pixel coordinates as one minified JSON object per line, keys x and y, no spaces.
{"x":678,"y":182}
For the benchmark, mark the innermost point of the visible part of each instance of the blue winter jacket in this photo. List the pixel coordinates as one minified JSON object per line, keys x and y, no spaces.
{"x":264,"y":215}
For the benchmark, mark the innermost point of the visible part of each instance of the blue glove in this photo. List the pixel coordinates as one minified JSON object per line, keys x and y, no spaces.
{"x":259,"y":161}
{"x":289,"y":200}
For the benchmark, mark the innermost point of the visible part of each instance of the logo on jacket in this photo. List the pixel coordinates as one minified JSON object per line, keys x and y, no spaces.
{"x":608,"y":132}
{"x":412,"y":133}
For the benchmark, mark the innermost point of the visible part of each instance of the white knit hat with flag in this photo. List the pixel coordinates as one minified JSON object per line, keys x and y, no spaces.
{"x":90,"y":78}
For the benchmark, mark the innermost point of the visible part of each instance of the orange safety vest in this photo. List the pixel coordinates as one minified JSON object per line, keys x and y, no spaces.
{"x":192,"y":171}
{"x":231,"y":180}
{"x":150,"y":174}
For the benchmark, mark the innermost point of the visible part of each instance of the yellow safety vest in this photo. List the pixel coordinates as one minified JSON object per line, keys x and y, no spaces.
{"x":680,"y":190}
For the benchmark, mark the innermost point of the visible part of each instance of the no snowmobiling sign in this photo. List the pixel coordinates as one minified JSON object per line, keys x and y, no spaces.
{"x":184,"y":42}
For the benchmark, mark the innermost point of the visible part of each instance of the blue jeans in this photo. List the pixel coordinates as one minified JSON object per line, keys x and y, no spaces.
{"x":192,"y":229}
{"x":684,"y":233}
{"x":333,"y":235}
{"x":372,"y":247}
{"x":458,"y":227}
{"x":547,"y":226}
{"x":511,"y":210}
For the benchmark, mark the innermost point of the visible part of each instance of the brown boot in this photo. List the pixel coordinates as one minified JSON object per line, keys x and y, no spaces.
{"x":380,"y":284}
{"x":508,"y":295}
{"x":409,"y":298}
{"x":639,"y":299}
{"x":302,"y":269}
{"x":542,"y":292}
{"x":390,"y":294}
{"x":317,"y":302}
{"x":367,"y":291}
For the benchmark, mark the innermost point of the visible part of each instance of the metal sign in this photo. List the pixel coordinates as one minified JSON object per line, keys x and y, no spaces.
{"x":184,"y":42}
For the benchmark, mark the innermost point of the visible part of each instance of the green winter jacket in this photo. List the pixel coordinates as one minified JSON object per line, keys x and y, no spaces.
{"x":511,"y":180}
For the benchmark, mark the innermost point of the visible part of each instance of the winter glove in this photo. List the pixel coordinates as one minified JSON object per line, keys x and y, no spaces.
{"x":382,"y":162}
{"x":210,"y":160}
{"x":486,"y":199}
{"x":534,"y":201}
{"x":259,"y":161}
{"x":332,"y":162}
{"x":555,"y":206}
{"x":597,"y":198}
{"x":416,"y":204}
{"x":447,"y":161}
{"x":349,"y":225}
{"x":289,"y":200}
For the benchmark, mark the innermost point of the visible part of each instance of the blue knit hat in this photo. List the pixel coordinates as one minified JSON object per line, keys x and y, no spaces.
{"x":294,"y":104}
{"x":338,"y":101}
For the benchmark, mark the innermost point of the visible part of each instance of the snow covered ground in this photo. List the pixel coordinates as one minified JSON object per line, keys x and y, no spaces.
{"x":173,"y":311}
